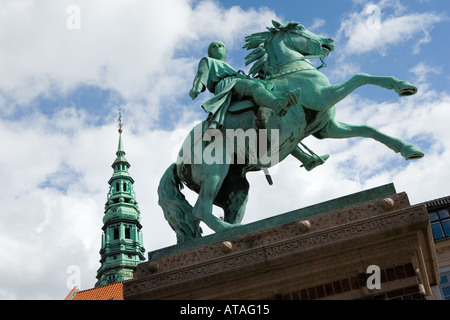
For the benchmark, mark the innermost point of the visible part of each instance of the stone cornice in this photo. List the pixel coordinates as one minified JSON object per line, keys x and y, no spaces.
{"x":325,"y":234}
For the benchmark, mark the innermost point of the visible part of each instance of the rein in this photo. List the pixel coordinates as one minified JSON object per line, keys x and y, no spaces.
{"x":282,"y":73}
{"x":319,"y":56}
{"x":279,"y":74}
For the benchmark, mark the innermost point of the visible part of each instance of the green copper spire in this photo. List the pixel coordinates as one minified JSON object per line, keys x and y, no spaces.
{"x":120,"y":152}
{"x":122,"y":244}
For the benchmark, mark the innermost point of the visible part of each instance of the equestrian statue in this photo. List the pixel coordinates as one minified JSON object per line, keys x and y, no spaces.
{"x":283,"y":100}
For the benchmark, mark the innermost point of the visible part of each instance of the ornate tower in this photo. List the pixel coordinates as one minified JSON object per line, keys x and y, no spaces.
{"x":122,"y":244}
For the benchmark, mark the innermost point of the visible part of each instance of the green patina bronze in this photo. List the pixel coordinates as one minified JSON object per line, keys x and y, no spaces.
{"x":229,"y":85}
{"x":280,"y":58}
{"x":234,"y":89}
{"x":122,"y":243}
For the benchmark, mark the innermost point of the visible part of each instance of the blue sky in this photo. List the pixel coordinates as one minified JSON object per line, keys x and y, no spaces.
{"x":64,"y":77}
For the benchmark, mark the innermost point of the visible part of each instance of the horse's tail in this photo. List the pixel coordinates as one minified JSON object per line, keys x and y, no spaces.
{"x":177,"y":211}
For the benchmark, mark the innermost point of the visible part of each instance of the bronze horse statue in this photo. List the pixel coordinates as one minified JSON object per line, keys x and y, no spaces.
{"x":280,"y":57}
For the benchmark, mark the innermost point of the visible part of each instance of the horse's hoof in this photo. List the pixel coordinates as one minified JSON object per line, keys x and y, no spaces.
{"x":405,"y":88}
{"x":316,"y":161}
{"x":410,"y":152}
{"x":225,"y":226}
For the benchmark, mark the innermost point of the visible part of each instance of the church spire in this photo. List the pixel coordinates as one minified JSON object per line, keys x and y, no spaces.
{"x":120,"y":151}
{"x":122,"y":244}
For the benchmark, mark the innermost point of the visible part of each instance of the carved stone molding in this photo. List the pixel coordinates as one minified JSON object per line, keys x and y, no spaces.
{"x":386,"y":231}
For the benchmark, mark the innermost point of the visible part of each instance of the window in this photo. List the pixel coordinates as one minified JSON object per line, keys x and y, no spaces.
{"x":116,"y":233}
{"x":127,"y":233}
{"x":440,"y":224}
{"x":444,"y":286}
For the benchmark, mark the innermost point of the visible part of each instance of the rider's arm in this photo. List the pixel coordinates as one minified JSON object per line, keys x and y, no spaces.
{"x":201,"y":79}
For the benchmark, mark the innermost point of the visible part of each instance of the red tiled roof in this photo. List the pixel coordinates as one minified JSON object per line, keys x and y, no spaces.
{"x":113,"y":291}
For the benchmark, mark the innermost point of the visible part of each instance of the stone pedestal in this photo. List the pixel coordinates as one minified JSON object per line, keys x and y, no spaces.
{"x":370,"y":245}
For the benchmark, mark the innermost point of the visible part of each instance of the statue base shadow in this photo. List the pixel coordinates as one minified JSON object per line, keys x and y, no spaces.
{"x":368,"y":245}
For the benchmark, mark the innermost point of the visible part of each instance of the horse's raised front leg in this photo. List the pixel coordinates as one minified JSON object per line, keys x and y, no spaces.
{"x":336,"y":129}
{"x":213,"y":177}
{"x":402,"y":87}
{"x":330,"y":95}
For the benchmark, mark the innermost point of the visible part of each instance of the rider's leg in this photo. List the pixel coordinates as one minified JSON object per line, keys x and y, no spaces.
{"x":263,"y":97}
{"x":308,"y":161}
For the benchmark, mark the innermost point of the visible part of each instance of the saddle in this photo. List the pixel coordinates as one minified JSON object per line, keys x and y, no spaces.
{"x":242,"y":105}
{"x":262,"y":114}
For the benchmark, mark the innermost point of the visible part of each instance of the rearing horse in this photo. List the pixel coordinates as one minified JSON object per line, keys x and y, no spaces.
{"x":280,"y":56}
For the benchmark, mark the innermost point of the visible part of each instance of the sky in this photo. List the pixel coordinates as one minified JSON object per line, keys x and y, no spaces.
{"x":67,"y":66}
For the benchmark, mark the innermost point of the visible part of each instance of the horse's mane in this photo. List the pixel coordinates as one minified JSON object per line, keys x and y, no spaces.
{"x":259,"y":55}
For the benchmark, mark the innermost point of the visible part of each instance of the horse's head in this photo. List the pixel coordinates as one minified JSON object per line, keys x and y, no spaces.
{"x":297,"y":37}
{"x":283,"y":43}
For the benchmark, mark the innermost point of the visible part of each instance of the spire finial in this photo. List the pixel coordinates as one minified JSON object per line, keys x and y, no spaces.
{"x":119,"y":121}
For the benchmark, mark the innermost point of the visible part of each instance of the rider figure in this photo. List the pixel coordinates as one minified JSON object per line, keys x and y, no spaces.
{"x":227,"y":84}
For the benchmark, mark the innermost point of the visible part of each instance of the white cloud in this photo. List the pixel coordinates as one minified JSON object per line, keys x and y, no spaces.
{"x":362,"y":35}
{"x":422,"y":70}
{"x":124,"y":46}
{"x":57,"y":166}
{"x":317,"y":24}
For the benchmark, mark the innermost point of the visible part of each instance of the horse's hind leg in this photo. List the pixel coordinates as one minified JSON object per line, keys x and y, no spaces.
{"x":336,"y":129}
{"x":213,"y":177}
{"x":233,"y":195}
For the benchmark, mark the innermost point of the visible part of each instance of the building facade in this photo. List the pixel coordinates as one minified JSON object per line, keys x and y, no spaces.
{"x":371,"y":245}
{"x":439,"y":214}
